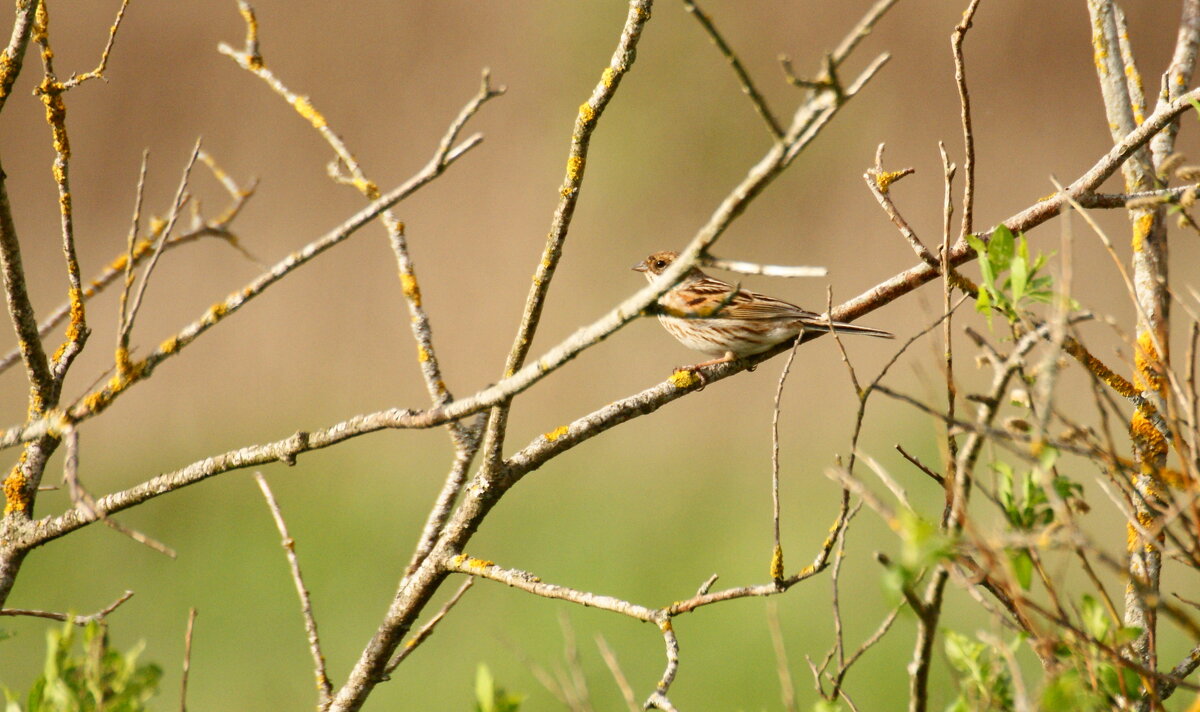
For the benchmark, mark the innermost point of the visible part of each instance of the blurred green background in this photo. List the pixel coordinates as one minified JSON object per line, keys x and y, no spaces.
{"x":648,"y":511}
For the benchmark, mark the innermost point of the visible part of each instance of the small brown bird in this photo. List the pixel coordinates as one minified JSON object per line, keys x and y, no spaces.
{"x":719,"y":320}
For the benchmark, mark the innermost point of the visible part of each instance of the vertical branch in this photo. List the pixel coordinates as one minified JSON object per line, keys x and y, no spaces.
{"x":777,"y":552}
{"x":14,"y":53}
{"x":324,"y":689}
{"x":187,"y":659}
{"x":964,"y":99}
{"x":1177,"y":77}
{"x":585,"y":124}
{"x":957,"y":480}
{"x":1114,"y":63}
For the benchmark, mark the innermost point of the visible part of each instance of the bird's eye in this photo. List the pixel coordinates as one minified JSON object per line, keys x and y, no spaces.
{"x":660,"y":264}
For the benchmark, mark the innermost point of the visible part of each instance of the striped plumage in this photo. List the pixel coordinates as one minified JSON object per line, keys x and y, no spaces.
{"x":723,"y":322}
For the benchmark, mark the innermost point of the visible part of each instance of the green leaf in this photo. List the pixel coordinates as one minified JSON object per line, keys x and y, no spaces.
{"x":1022,"y":564}
{"x":1047,"y":455}
{"x":978,"y":245}
{"x":485,"y":689}
{"x":983,"y":304}
{"x":1005,"y":488}
{"x":1020,"y":275}
{"x":1094,"y":617}
{"x":489,"y":698}
{"x":1000,"y":249}
{"x":961,"y":651}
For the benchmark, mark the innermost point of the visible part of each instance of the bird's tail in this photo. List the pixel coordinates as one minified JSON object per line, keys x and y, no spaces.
{"x":843,"y":327}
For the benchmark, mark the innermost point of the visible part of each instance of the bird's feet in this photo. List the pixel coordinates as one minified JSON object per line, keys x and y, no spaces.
{"x":694,"y":372}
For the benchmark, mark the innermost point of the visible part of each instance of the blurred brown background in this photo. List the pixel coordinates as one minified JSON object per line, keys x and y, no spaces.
{"x":646,"y":512}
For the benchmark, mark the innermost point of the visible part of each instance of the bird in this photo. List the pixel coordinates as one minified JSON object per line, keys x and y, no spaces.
{"x":726,"y":322}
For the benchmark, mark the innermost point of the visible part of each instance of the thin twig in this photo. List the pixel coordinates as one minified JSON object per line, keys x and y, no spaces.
{"x":187,"y":659}
{"x":324,"y":687}
{"x":64,"y":617}
{"x":765,"y":270}
{"x":123,"y":365}
{"x":610,"y":659}
{"x":964,"y":100}
{"x":427,"y":630}
{"x":787,"y":690}
{"x":777,"y":552}
{"x":748,"y":88}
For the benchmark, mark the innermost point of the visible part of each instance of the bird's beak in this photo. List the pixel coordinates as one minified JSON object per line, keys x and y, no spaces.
{"x":640,"y":267}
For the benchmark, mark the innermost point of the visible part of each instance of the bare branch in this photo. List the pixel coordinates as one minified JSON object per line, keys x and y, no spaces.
{"x":187,"y":659}
{"x":748,"y":88}
{"x":765,"y":270}
{"x":427,"y":630}
{"x":64,"y":617}
{"x":324,"y":688}
{"x":581,"y":135}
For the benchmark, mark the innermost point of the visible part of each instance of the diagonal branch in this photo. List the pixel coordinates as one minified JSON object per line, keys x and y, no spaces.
{"x":586,"y":122}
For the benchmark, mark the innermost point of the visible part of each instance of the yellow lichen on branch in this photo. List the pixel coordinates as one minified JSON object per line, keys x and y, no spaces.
{"x":884,"y":179}
{"x":1097,"y":368}
{"x":684,"y":378}
{"x":15,"y":499}
{"x":574,"y":168}
{"x":412,"y":290}
{"x":1142,"y":225}
{"x":305,"y":108}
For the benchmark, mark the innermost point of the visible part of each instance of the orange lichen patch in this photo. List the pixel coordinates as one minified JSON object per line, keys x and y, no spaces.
{"x":1141,"y":229}
{"x":119,"y":263}
{"x":251,"y":21}
{"x":305,"y":108}
{"x":77,"y":323}
{"x":422,"y":354}
{"x":412,"y":290}
{"x":884,"y":179}
{"x":41,"y":24}
{"x":1113,"y":380}
{"x":169,"y":345}
{"x":471,"y":562}
{"x":1151,"y":443}
{"x":1136,"y":79}
{"x":56,"y":115}
{"x":15,"y":496}
{"x":1148,"y":375}
{"x":586,"y":113}
{"x":608,"y":77}
{"x":367,"y":188}
{"x":777,"y":564}
{"x":684,"y":378}
{"x":556,"y":433}
{"x":1133,"y":537}
{"x":215,"y":312}
{"x":99,"y":400}
{"x":1099,"y":49}
{"x":574,"y":168}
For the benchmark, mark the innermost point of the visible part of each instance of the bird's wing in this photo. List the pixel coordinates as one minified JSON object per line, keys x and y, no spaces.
{"x":700,"y":298}
{"x":712,"y":298}
{"x":752,"y":305}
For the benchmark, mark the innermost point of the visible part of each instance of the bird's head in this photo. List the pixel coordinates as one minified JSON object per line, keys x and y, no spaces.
{"x":655,"y":264}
